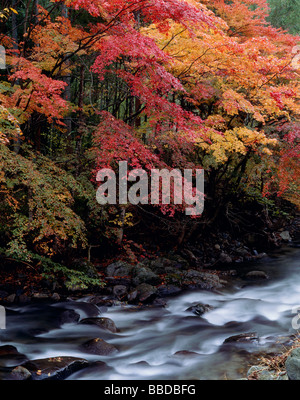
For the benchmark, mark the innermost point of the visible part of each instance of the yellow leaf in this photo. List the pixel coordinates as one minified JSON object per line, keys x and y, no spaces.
{"x":13,"y":10}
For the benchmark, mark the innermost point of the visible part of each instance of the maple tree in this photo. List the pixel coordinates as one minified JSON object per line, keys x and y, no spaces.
{"x":181,"y":84}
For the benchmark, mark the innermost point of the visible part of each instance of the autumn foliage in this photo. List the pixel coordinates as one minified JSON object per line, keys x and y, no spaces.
{"x":159,"y":83}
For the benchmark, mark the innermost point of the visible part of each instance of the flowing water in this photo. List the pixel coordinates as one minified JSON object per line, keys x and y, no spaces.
{"x":169,"y":342}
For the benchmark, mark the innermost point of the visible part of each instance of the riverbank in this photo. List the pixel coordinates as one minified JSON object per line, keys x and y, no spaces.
{"x":209,"y":266}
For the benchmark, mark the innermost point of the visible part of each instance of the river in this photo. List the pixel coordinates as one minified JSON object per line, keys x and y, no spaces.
{"x":169,"y":342}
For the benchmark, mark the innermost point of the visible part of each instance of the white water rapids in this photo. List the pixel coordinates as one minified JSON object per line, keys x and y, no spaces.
{"x":149,"y":338}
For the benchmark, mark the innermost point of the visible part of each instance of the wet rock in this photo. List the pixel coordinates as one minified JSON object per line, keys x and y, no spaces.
{"x":261,"y":373}
{"x":55,"y":296}
{"x":202,"y":280}
{"x":225,"y":258}
{"x":159,"y":303}
{"x":186,"y":354}
{"x":103,"y":323}
{"x":200,"y":309}
{"x":242,"y":252}
{"x":132,"y":296}
{"x":243,"y":338}
{"x":84,"y":309}
{"x":142,"y":274}
{"x":119,"y":268}
{"x":99,"y":347}
{"x":257,"y":275}
{"x":261,"y":255}
{"x":8,"y":349}
{"x":145,"y":292}
{"x":68,"y":317}
{"x":168,"y":290}
{"x":10,"y":357}
{"x":57,"y":368}
{"x":292,"y":365}
{"x":11,"y":298}
{"x":120,"y":291}
{"x":19,"y":374}
{"x":41,"y":296}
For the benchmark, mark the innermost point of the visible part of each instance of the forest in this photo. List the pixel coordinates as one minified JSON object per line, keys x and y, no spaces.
{"x":160,"y":84}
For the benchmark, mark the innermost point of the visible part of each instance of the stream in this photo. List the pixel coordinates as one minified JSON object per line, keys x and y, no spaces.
{"x":170,"y":343}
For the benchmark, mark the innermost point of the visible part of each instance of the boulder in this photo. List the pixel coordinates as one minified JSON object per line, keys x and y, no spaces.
{"x":202,"y":280}
{"x":200,"y":309}
{"x":120,"y":291}
{"x":119,"y":268}
{"x":146,"y":292}
{"x":292,"y":365}
{"x":225,"y":258}
{"x":98,"y":347}
{"x":257,"y":275}
{"x":103,"y":323}
{"x":243,"y":338}
{"x":142,"y":274}
{"x":68,"y":317}
{"x":55,"y":368}
{"x":168,"y":290}
{"x":10,"y":357}
{"x":19,"y":374}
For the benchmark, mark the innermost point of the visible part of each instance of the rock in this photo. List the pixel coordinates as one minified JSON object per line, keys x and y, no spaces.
{"x":68,"y":317}
{"x":120,"y":291}
{"x":119,"y":268}
{"x":242,"y":252}
{"x":200,"y":309}
{"x":55,"y":296}
{"x":142,"y":274}
{"x":11,"y":298}
{"x":292,"y":365}
{"x":285,"y":236}
{"x":8,"y":349}
{"x":243,"y":338}
{"x":186,"y":354}
{"x":57,"y":368}
{"x":261,"y":255}
{"x":12,"y":360}
{"x":10,"y":357}
{"x":257,"y":275}
{"x":202,"y":280}
{"x":132,"y":295}
{"x":99,"y":347}
{"x":266,"y":376}
{"x":225,"y":258}
{"x":104,"y":323}
{"x":19,"y":374}
{"x":41,"y":296}
{"x":145,"y":292}
{"x":168,"y":290}
{"x":159,"y":303}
